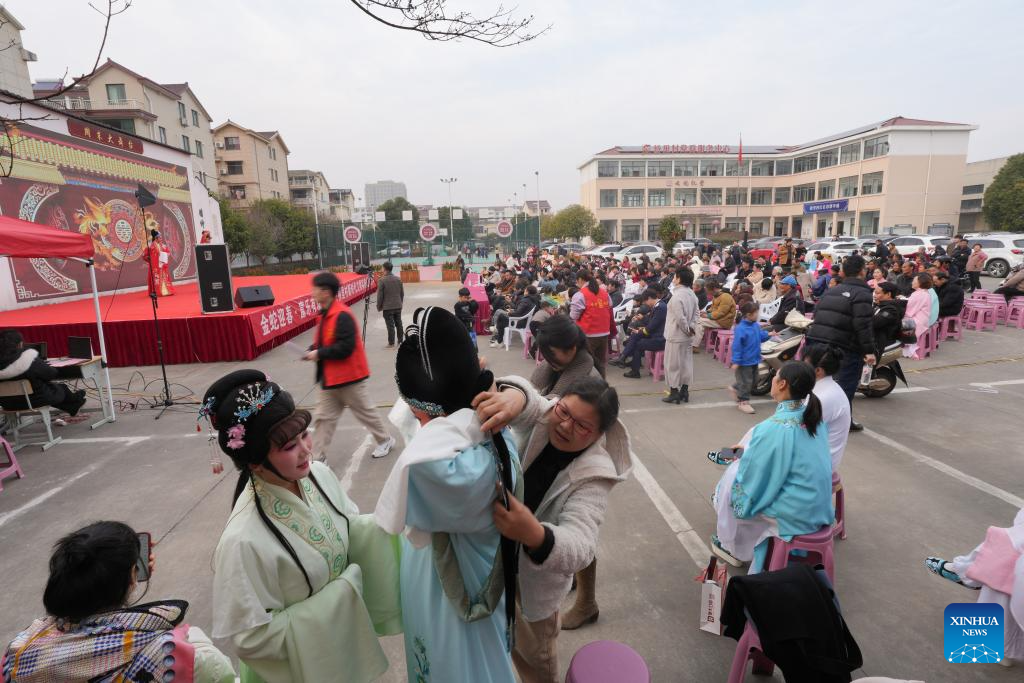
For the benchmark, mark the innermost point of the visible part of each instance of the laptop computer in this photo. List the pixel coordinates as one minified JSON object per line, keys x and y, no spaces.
{"x":38,"y":346}
{"x":80,"y":347}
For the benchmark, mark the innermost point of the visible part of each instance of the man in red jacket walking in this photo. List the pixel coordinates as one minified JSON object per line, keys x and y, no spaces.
{"x":341,"y":370}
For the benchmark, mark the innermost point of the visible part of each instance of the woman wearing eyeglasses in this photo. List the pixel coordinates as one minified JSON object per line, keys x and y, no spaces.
{"x":573,"y":450}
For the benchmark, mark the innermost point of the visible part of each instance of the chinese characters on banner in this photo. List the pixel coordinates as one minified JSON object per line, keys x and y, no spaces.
{"x":104,"y":136}
{"x":273,"y":321}
{"x":686,"y":149}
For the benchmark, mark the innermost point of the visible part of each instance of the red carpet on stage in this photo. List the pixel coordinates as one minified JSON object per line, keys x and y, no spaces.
{"x":189,"y":336}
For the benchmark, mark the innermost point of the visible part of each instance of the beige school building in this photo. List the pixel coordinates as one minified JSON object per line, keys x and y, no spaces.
{"x":901,"y":173}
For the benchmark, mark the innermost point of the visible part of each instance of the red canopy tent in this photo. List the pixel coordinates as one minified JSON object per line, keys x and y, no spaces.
{"x":24,"y":239}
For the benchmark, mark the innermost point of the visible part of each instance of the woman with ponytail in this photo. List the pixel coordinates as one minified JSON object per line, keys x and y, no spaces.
{"x":303,"y":583}
{"x":782,"y":484}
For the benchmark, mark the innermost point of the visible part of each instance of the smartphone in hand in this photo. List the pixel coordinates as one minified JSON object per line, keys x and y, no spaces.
{"x":145,"y":548}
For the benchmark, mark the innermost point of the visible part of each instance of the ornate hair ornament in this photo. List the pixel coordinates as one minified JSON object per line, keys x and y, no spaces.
{"x":431,"y":409}
{"x":251,"y":400}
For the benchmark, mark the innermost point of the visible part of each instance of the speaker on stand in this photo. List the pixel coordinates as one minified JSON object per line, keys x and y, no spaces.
{"x":213,"y":270}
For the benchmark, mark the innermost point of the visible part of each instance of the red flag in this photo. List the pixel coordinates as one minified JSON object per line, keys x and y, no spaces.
{"x":740,"y":160}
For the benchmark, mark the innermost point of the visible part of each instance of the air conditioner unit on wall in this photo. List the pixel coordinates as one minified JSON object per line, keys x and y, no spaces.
{"x":223,"y":171}
{"x":220,"y":145}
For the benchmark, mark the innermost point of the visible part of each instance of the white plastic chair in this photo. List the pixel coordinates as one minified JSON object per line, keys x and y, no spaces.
{"x":523,"y":331}
{"x":768,"y":311}
{"x":17,"y":420}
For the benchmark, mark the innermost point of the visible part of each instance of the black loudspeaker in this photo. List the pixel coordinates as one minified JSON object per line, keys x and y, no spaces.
{"x":360,"y":256}
{"x":248,"y":297}
{"x":213,"y":270}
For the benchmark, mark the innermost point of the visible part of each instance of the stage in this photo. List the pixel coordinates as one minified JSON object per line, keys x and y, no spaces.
{"x":189,"y":336}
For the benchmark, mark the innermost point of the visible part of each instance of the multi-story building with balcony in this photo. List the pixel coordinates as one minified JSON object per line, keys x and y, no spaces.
{"x":310,"y":190}
{"x":251,"y":164}
{"x":343,"y":204}
{"x":169,"y":113}
{"x":978,"y":177}
{"x":899,"y":172}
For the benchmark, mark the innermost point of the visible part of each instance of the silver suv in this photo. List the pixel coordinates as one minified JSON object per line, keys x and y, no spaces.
{"x":1004,"y":250}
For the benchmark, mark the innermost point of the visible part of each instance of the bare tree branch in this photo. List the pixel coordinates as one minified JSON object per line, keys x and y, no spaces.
{"x":435,"y":20}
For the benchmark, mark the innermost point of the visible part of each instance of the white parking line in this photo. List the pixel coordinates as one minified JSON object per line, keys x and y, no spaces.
{"x":982,"y":486}
{"x":687,"y":537}
{"x":43,"y":497}
{"x":997,"y":384}
{"x":691,"y":406}
{"x":354,"y":463}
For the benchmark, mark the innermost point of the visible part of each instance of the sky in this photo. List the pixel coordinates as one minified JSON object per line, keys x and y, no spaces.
{"x":362,"y":102}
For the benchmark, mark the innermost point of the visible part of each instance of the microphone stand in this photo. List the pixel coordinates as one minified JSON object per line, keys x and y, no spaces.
{"x":167,"y":401}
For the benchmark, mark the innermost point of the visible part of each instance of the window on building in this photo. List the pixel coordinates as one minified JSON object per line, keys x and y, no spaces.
{"x":707,"y":228}
{"x":300,"y":194}
{"x":712,"y":167}
{"x":848,"y":186}
{"x":711,"y":196}
{"x":195,"y":118}
{"x":632,"y":169}
{"x":974,"y":189}
{"x":686,"y":197}
{"x":116,"y":93}
{"x":181,"y":114}
{"x":609,"y":198}
{"x":828,"y":157}
{"x":876,"y":147}
{"x":657,"y":198}
{"x":235,"y":168}
{"x":273,"y":175}
{"x":186,"y":144}
{"x":232,"y":143}
{"x":805,"y":163}
{"x":236,"y":191}
{"x":783,"y":167}
{"x":782,"y":195}
{"x":272,"y":152}
{"x":757,"y":227}
{"x":609,"y":230}
{"x":735,"y":168}
{"x":868,"y":223}
{"x":734,"y":224}
{"x":652,"y":231}
{"x":779,"y":228}
{"x":126,"y":125}
{"x":736,"y":196}
{"x":631,"y":231}
{"x":849,"y":153}
{"x":762,"y":168}
{"x":803,"y":193}
{"x":970,"y":204}
{"x":659,"y":169}
{"x":761,"y":196}
{"x":199,"y":149}
{"x":162,"y":133}
{"x":632,"y":199}
{"x":827,"y":189}
{"x":871,"y":183}
{"x":607,"y":169}
{"x":685,"y":167}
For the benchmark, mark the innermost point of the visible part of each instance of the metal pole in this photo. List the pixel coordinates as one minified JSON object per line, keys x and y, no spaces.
{"x":103,"y":346}
{"x":316,"y":220}
{"x":537,"y":174}
{"x":451,"y":218}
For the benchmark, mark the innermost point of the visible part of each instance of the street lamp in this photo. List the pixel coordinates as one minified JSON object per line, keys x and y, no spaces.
{"x":451,"y":211}
{"x":537,"y":174}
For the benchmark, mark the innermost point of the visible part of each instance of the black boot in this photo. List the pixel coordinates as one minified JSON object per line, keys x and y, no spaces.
{"x":684,"y":394}
{"x":673,"y":397}
{"x":632,"y":374}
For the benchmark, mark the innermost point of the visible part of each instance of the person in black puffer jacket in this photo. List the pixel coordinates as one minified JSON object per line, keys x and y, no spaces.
{"x":17,"y":362}
{"x":889,"y":314}
{"x":843,"y":318}
{"x":951,"y":295}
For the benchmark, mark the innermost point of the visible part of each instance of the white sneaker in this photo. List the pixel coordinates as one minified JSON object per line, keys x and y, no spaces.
{"x":745,"y":407}
{"x":383,"y":449}
{"x":495,"y":343}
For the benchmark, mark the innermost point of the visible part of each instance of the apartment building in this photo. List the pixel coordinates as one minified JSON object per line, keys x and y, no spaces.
{"x":379,"y":192}
{"x":977,"y":178}
{"x":251,"y":164}
{"x":14,"y":58}
{"x":310,"y":190}
{"x":343,"y":204}
{"x":169,"y":113}
{"x":899,"y":172}
{"x":530,"y":208}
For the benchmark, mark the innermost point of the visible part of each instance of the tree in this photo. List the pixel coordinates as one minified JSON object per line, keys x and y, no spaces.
{"x":393,"y":227}
{"x":1003,"y":206}
{"x":265,"y":229}
{"x":573,"y":222}
{"x":434,"y":20}
{"x":548,"y":229}
{"x":669,"y":232}
{"x":598,"y":234}
{"x":236,"y":228}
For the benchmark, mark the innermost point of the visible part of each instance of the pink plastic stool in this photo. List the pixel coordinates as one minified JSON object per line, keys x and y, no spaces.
{"x":749,"y":647}
{"x":839,"y":527}
{"x":925,"y":343}
{"x":656,"y":363}
{"x":1015,"y":312}
{"x":980,"y":316}
{"x":950,"y":327}
{"x":818,"y":543}
{"x":711,"y":339}
{"x":526,"y":344}
{"x":607,"y":661}
{"x":723,"y":346}
{"x":11,"y":466}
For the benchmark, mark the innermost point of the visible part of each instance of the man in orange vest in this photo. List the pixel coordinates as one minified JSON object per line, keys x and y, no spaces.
{"x":341,"y":370}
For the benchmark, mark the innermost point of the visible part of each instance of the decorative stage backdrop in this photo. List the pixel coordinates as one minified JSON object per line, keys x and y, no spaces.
{"x":84,"y":182}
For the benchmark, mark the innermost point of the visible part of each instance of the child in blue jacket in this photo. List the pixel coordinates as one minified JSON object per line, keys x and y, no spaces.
{"x":746,"y":355}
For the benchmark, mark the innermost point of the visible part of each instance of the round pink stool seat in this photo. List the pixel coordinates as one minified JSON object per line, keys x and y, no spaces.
{"x":607,"y":661}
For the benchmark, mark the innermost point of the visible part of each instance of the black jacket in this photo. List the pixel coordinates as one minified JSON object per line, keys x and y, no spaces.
{"x":842,"y":317}
{"x":798,"y":623}
{"x":951,"y":299}
{"x":886,"y":322}
{"x":905,"y":283}
{"x":789,"y":302}
{"x":28,"y":365}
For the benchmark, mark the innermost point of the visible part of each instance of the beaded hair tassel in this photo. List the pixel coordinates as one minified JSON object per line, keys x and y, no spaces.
{"x":216,"y":464}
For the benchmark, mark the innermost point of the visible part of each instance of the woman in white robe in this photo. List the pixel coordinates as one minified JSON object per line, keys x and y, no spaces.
{"x":303,"y":584}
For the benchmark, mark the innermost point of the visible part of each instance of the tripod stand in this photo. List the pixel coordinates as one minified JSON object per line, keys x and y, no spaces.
{"x":145,"y":198}
{"x":366,"y":301}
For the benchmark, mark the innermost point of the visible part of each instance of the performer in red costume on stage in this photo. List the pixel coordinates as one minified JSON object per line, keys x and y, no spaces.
{"x":158,"y":255}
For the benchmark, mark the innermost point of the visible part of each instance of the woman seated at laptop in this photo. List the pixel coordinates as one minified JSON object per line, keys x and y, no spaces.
{"x":17,"y":362}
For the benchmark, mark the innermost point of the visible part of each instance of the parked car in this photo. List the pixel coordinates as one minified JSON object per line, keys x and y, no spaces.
{"x":1004,"y":251}
{"x":685,"y":245}
{"x":909,"y":244}
{"x":652,"y":251}
{"x":604,"y":249}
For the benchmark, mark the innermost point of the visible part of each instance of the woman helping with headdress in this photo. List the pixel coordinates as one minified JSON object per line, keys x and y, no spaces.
{"x":458,"y":573}
{"x":303,"y":583}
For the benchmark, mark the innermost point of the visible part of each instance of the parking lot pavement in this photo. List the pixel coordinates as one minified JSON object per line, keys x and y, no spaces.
{"x":939,"y":462}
